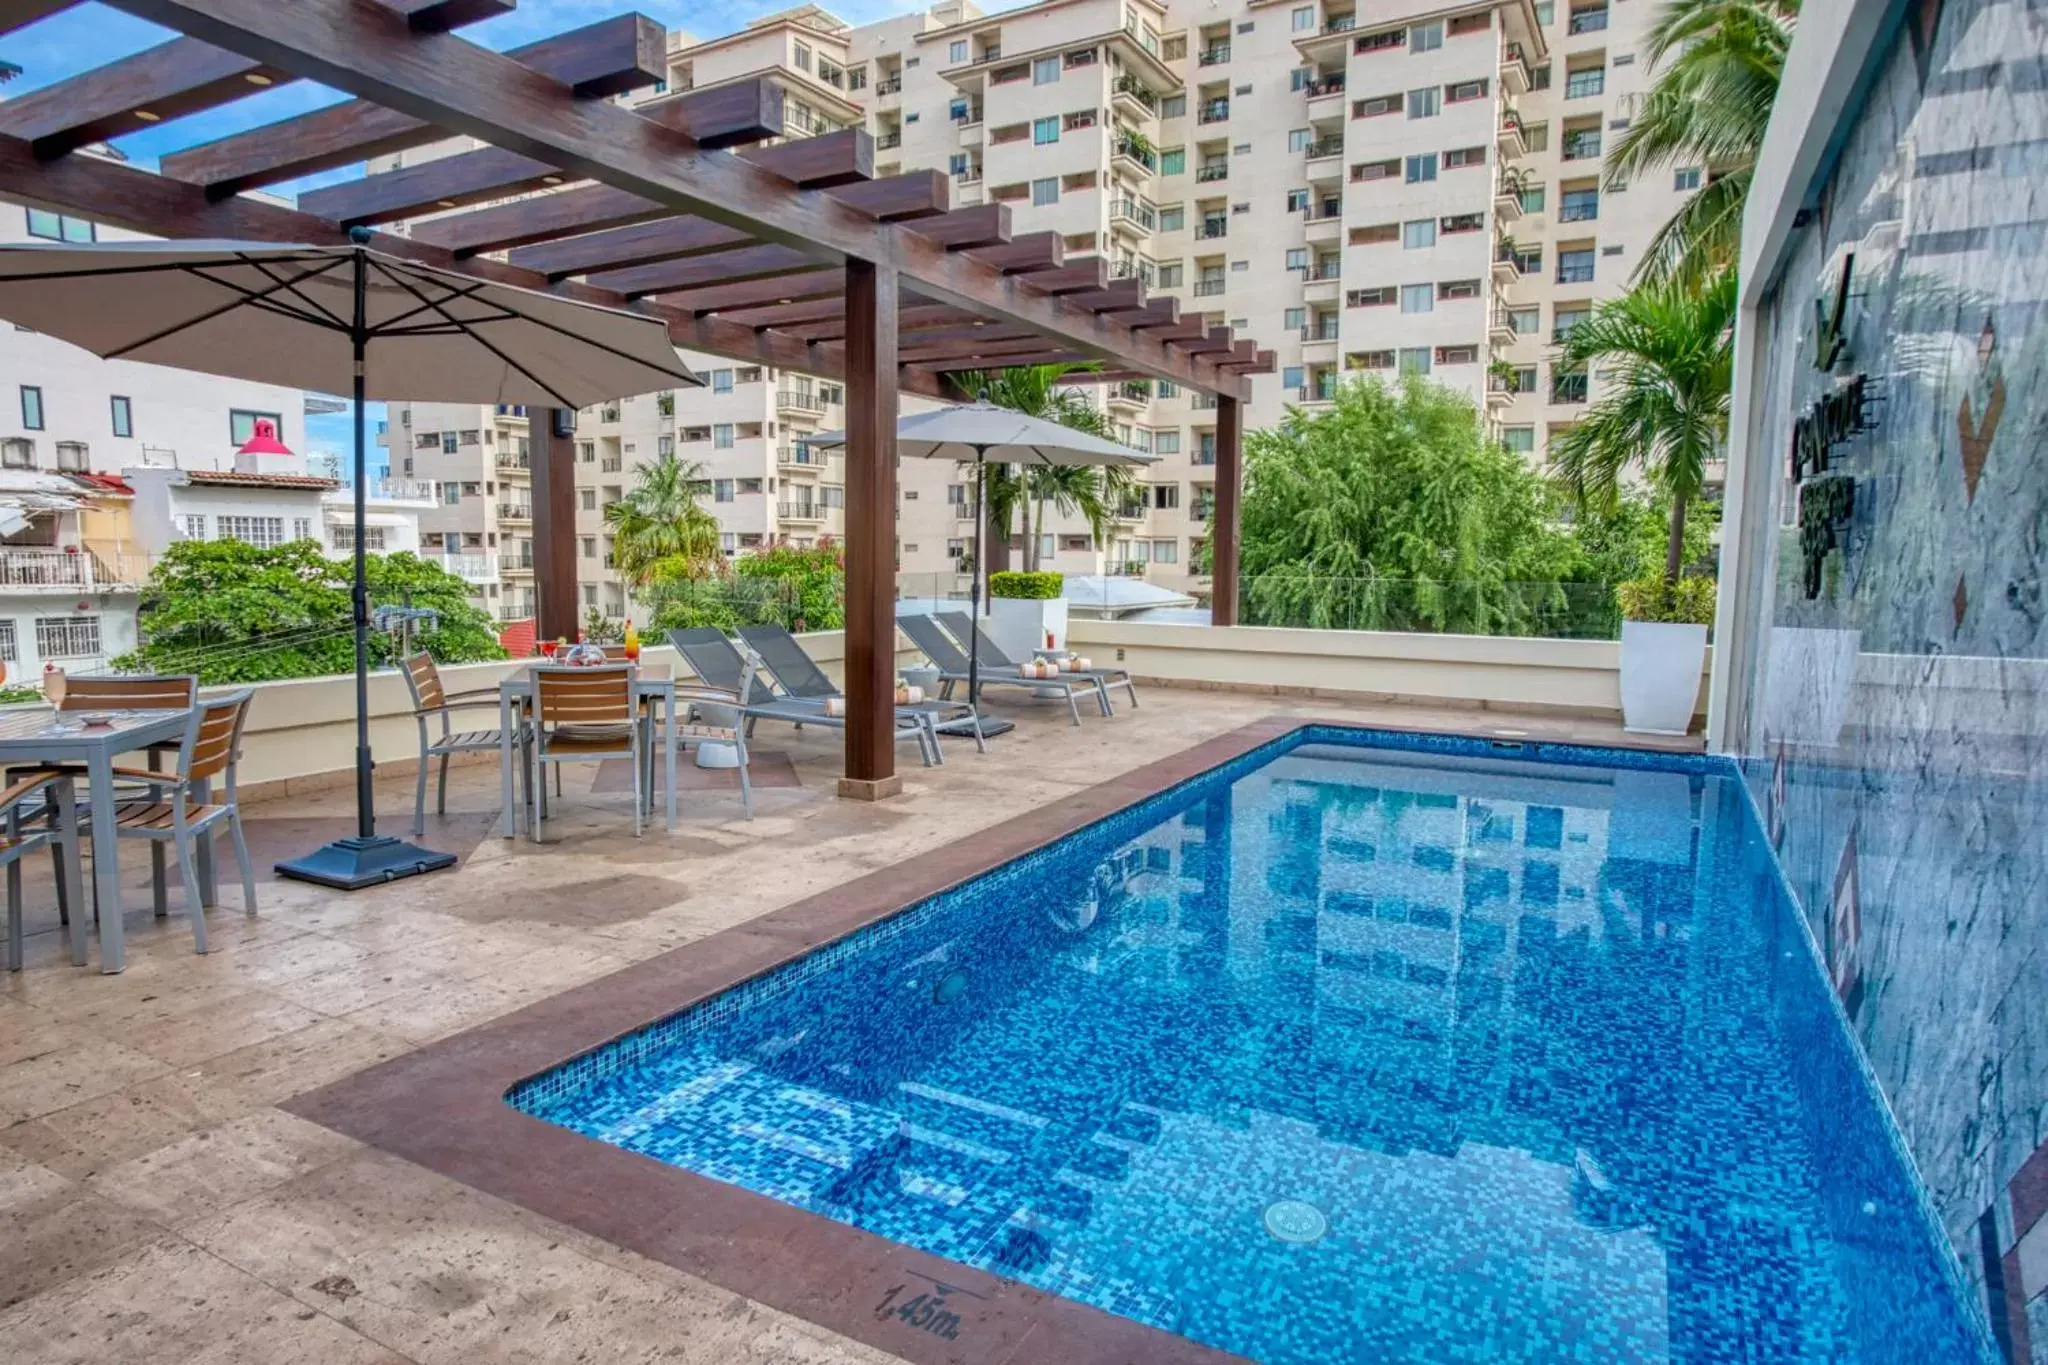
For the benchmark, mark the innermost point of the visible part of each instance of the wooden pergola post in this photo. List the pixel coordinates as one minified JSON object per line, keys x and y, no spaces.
{"x":554,"y":522}
{"x":871,"y":312}
{"x":1223,"y":516}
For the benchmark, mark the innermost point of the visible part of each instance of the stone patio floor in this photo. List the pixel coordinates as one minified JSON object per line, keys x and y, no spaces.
{"x":155,"y":1204}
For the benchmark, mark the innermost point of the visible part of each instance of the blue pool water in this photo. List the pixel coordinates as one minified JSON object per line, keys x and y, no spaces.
{"x":1365,"y":1047}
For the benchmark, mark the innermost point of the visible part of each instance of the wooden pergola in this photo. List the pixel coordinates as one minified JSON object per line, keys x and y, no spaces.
{"x":792,"y":255}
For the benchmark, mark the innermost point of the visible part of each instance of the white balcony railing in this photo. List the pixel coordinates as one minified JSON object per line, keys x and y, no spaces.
{"x":474,"y":568}
{"x":72,"y":568}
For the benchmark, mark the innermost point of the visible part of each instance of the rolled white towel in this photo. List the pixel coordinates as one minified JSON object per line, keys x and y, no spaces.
{"x":835,"y":706}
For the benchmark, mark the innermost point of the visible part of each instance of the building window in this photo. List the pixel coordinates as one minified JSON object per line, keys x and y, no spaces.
{"x":1564,"y":318}
{"x":302,"y":528}
{"x":1575,"y":267}
{"x":721,"y":381}
{"x":68,"y":637}
{"x":1305,"y":19}
{"x":1291,"y":377}
{"x":1425,"y":37}
{"x":1044,"y":130}
{"x":373,"y":539}
{"x":1173,"y":161}
{"x":1578,"y":206}
{"x":1425,"y":103}
{"x":1532,"y":199}
{"x":1520,"y":440}
{"x":721,"y":436}
{"x":1421,"y":168}
{"x":1586,"y":83}
{"x":242,"y":425}
{"x":72,"y":457}
{"x":803,"y":57}
{"x":1174,"y":106}
{"x":31,"y":407}
{"x":589,"y":498}
{"x":1414,"y":360}
{"x":1526,"y":321}
{"x":60,"y":227}
{"x":262,"y":532}
{"x":1687,"y":178}
{"x":721,"y":490}
{"x":1046,"y":191}
{"x":17,"y":453}
{"x":1418,"y":298}
{"x":1457,"y":355}
{"x":1298,"y":140}
{"x":1173,"y":220}
{"x":956,"y":51}
{"x":1045,"y":71}
{"x":1460,"y":157}
{"x":1419,"y":233}
{"x":586,"y":452}
{"x":451,"y":442}
{"x":124,"y":415}
{"x":9,"y":646}
{"x":1166,"y":443}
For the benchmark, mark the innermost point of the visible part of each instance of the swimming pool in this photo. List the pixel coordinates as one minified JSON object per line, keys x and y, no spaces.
{"x":1364,"y":1046}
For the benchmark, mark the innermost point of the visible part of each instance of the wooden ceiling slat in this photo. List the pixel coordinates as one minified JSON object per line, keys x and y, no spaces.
{"x":836,"y":159}
{"x":1126,"y":295}
{"x":607,"y":58}
{"x":1000,"y":361}
{"x":1075,"y":277}
{"x":899,"y":198}
{"x":980,"y":225}
{"x":21,"y":13}
{"x":624,"y":248}
{"x":723,"y":115}
{"x":908,"y":316}
{"x":1019,"y":255}
{"x":818,"y":283}
{"x":447,"y":182}
{"x":761,"y":260}
{"x":788,"y":315}
{"x":439,"y":16}
{"x":170,"y":80}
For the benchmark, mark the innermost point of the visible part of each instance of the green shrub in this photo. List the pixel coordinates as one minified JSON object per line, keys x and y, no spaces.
{"x":1689,"y":601}
{"x":1037,"y":587}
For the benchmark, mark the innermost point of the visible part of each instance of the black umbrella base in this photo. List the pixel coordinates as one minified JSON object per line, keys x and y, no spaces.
{"x":964,"y":727}
{"x":354,"y":863}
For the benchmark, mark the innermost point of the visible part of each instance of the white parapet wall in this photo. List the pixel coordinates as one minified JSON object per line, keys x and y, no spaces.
{"x":1501,"y":673}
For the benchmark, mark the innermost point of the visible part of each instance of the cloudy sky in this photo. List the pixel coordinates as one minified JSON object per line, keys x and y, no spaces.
{"x":93,"y":34}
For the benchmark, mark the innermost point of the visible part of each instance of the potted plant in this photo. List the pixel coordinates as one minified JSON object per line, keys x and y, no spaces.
{"x":1026,"y":612}
{"x":1663,"y":649}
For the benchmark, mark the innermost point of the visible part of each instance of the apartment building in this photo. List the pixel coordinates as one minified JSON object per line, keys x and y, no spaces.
{"x":1414,"y":188}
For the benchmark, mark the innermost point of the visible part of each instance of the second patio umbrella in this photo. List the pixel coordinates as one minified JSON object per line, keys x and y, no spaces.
{"x":981,"y":431}
{"x":329,"y":318}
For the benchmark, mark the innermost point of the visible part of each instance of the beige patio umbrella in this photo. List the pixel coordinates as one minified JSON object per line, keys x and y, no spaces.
{"x":327,"y":318}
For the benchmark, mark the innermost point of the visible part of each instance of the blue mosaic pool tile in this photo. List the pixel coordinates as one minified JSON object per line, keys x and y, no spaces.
{"x":1529,"y":1028}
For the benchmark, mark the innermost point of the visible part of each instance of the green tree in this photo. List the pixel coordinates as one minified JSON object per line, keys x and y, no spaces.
{"x":1390,"y":510}
{"x":659,"y":529}
{"x":1090,"y":492}
{"x":1718,"y":64}
{"x":800,"y":588}
{"x":1667,"y":356}
{"x":233,"y":612}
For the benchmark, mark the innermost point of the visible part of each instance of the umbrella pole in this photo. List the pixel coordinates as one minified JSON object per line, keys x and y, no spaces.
{"x":974,"y":583}
{"x":366,"y":859}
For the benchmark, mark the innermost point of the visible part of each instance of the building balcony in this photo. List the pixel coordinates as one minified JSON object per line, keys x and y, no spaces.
{"x":1134,"y":214}
{"x":515,"y":562}
{"x":1208,"y":289}
{"x":1500,"y":393}
{"x":1568,"y":389}
{"x":1507,"y":199}
{"x":471,"y":568}
{"x":800,"y":400}
{"x":64,"y":570}
{"x":1325,"y":227}
{"x":611,"y":464}
{"x":808,"y":512}
{"x":1130,"y":396}
{"x":1212,"y":229}
{"x":1216,"y":54}
{"x":1129,"y":95}
{"x":885,"y":142}
{"x":513,"y":463}
{"x":515,"y":511}
{"x":1504,"y":268}
{"x":1211,"y":173}
{"x":1514,"y":71}
{"x":891,"y":86}
{"x":414,"y":492}
{"x":1509,"y":139}
{"x":1136,"y":153}
{"x":1325,"y":87}
{"x":1587,"y":21}
{"x":1315,"y":395}
{"x":799,"y":458}
{"x":1499,"y":330}
{"x":1213,"y":111}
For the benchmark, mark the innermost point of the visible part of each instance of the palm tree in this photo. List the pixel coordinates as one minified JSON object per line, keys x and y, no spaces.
{"x":658,"y":528}
{"x":1036,"y":391}
{"x":1718,"y":66}
{"x":1667,"y":354}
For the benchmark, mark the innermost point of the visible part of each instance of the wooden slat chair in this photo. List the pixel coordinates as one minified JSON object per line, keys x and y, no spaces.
{"x":430,"y":699}
{"x":119,"y":692}
{"x":24,"y":800}
{"x":210,"y":749}
{"x":583,"y":715}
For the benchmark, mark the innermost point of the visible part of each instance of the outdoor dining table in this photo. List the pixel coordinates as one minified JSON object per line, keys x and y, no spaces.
{"x":29,"y":738}
{"x":515,"y":699}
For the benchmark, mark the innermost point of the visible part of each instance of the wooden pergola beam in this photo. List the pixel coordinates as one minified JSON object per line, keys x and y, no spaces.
{"x":1033,"y":251}
{"x":663,"y":239}
{"x":21,"y":13}
{"x":758,"y":261}
{"x":443,"y":79}
{"x":607,"y":58}
{"x":785,"y":288}
{"x":171,"y":80}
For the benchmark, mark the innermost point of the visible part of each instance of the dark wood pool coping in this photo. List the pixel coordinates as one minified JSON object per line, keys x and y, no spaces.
{"x":443,"y":1107}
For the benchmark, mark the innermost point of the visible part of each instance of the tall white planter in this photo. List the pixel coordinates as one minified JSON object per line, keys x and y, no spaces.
{"x":1019,"y":625}
{"x":1660,"y":675}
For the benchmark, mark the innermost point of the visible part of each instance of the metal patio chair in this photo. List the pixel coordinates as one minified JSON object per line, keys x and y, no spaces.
{"x":431,"y":699}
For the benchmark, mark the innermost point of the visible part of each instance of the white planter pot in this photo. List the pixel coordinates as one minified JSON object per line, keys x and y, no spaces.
{"x":1660,"y":675}
{"x":1020,"y":625}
